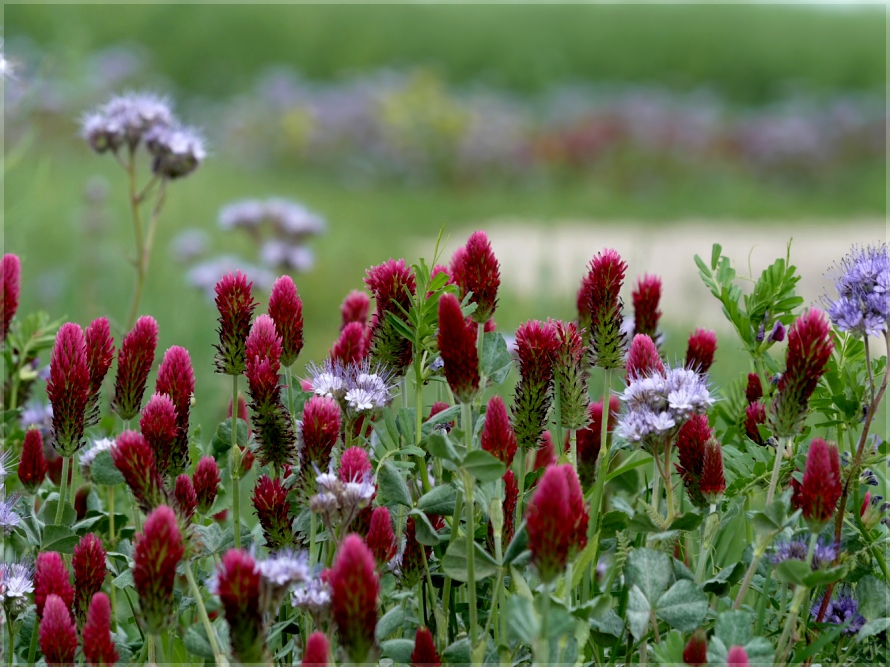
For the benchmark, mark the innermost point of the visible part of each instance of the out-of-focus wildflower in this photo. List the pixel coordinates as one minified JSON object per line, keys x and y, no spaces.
{"x":58,"y":634}
{"x":98,"y":644}
{"x":177,"y":151}
{"x":695,"y":654}
{"x":238,"y":585}
{"x":316,"y":652}
{"x":842,"y":608}
{"x":497,"y":437}
{"x":797,"y":549}
{"x":381,"y":538}
{"x":206,"y":482}
{"x":32,"y":468}
{"x":700,"y":351}
{"x":643,"y":358}
{"x":424,"y":653}
{"x":354,"y":591}
{"x":862,"y":280}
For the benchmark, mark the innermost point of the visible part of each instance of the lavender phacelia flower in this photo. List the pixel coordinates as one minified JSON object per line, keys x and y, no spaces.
{"x":862,"y":280}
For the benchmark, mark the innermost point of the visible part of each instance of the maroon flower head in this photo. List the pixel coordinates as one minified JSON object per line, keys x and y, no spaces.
{"x":692,"y":439}
{"x":354,"y":464}
{"x":272,"y":508}
{"x":511,"y":498}
{"x":185,"y":499}
{"x":134,"y":459}
{"x":381,"y":538}
{"x":646,"y":296}
{"x":589,"y":439}
{"x":556,"y":520}
{"x":457,"y":345}
{"x":498,"y":438}
{"x":286,"y":310}
{"x":321,"y":430}
{"x":437,"y":407}
{"x":712,"y":483}
{"x":536,"y":346}
{"x":603,"y":285}
{"x":88,"y":562}
{"x":476,"y":270}
{"x":58,"y":635}
{"x":316,"y":653}
{"x":809,"y":349}
{"x":99,"y":649}
{"x":351,"y":346}
{"x":570,"y":373}
{"x":100,"y":353}
{"x":696,"y":652}
{"x":157,"y":551}
{"x":354,"y":590}
{"x":412,"y":556}
{"x":158,"y":427}
{"x":80,"y":501}
{"x":32,"y":468}
{"x":68,"y":388}
{"x":737,"y":657}
{"x":176,"y":378}
{"x":821,"y":487}
{"x":355,"y":308}
{"x":700,"y":351}
{"x":393,"y":285}
{"x":424,"y":654}
{"x":754,"y":388}
{"x":10,"y":288}
{"x":206,"y":482}
{"x":236,"y":304}
{"x":642,"y":358}
{"x":51,"y":577}
{"x":133,"y":366}
{"x":755,"y":414}
{"x":239,"y":591}
{"x":546,"y":453}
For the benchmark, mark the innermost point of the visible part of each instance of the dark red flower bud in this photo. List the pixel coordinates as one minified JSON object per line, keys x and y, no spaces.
{"x":354,"y":464}
{"x":321,"y":430}
{"x":80,"y":501}
{"x":536,"y":347}
{"x":98,"y":645}
{"x":583,"y":305}
{"x":88,"y":562}
{"x":236,"y":304}
{"x":32,"y":468}
{"x":754,"y":389}
{"x":354,"y":590}
{"x":424,"y":654}
{"x":381,"y":538}
{"x":58,"y":635}
{"x":185,"y":499}
{"x":605,"y":278}
{"x":498,"y":438}
{"x":475,"y":269}
{"x":51,"y":577}
{"x":642,"y":358}
{"x":206,"y":482}
{"x":316,"y":653}
{"x":691,"y":441}
{"x":132,"y":455}
{"x":821,"y":487}
{"x":436,"y":408}
{"x":696,"y":652}
{"x":158,"y":427}
{"x":570,"y":375}
{"x":712,"y":483}
{"x":286,"y":310}
{"x":272,"y":508}
{"x":701,"y":349}
{"x":133,"y":366}
{"x":355,"y":308}
{"x":393,"y":286}
{"x":68,"y":388}
{"x":755,"y":414}
{"x":737,"y":657}
{"x":176,"y":378}
{"x":457,"y":345}
{"x":589,"y":439}
{"x":556,"y":520}
{"x":100,"y":353}
{"x":546,"y":453}
{"x":511,"y":498}
{"x":646,"y":296}
{"x":350,"y":347}
{"x":157,"y":551}
{"x":10,"y":288}
{"x":239,"y":591}
{"x":412,"y":556}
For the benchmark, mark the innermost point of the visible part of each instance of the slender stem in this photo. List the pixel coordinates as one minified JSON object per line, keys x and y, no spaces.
{"x":419,"y":461}
{"x":800,"y":594}
{"x":749,"y":575}
{"x":218,"y":657}
{"x":521,"y":486}
{"x":704,"y":548}
{"x":32,"y":649}
{"x":480,"y":333}
{"x":469,"y":484}
{"x":602,"y":465}
{"x":313,"y":532}
{"x":111,"y":543}
{"x":557,"y":422}
{"x":668,"y":486}
{"x":11,"y":650}
{"x":152,"y":656}
{"x":871,"y":377}
{"x":130,"y":167}
{"x":656,"y":484}
{"x":761,"y":604}
{"x":235,"y":465}
{"x":573,"y":448}
{"x":63,"y":489}
{"x":542,"y":656}
{"x":774,"y":479}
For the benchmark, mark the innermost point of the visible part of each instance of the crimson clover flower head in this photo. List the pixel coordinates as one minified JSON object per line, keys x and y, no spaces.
{"x":58,"y":634}
{"x":88,"y":562}
{"x":737,"y":657}
{"x":133,"y":457}
{"x":206,"y":482}
{"x":570,"y":373}
{"x":157,"y":551}
{"x":381,"y":538}
{"x":98,"y":644}
{"x":51,"y":577}
{"x":645,"y":296}
{"x":695,"y":654}
{"x":498,"y":438}
{"x":286,"y":310}
{"x":238,"y":586}
{"x":159,"y":428}
{"x":546,"y":453}
{"x":355,"y":308}
{"x":457,"y":347}
{"x":603,"y":284}
{"x":393,"y":286}
{"x":320,"y":430}
{"x":409,"y":562}
{"x":424,"y":653}
{"x":68,"y":388}
{"x":712,"y":483}
{"x":862,"y":281}
{"x":354,"y":465}
{"x":176,"y":379}
{"x":821,"y":487}
{"x":133,"y":366}
{"x":754,"y":388}
{"x":316,"y":652}
{"x":354,"y":590}
{"x":755,"y":414}
{"x":692,"y":444}
{"x":536,"y":345}
{"x":589,"y":439}
{"x":10,"y":289}
{"x":185,"y":499}
{"x":511,"y":498}
{"x":476,"y":271}
{"x":236,"y":304}
{"x":556,"y":520}
{"x":100,"y":353}
{"x":809,"y":349}
{"x":32,"y":468}
{"x":842,"y":608}
{"x":272,"y":508}
{"x":351,"y":345}
{"x":643,"y":358}
{"x":701,"y":349}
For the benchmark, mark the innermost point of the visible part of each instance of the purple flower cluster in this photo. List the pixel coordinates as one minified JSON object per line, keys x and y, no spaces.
{"x":841,"y":609}
{"x":796,"y":549}
{"x":862,"y":280}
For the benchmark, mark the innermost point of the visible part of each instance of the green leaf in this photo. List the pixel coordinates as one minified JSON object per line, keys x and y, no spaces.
{"x":638,"y":612}
{"x":59,"y":538}
{"x":196,"y":642}
{"x":642,"y":523}
{"x":613,"y":522}
{"x":650,"y":570}
{"x":496,"y":361}
{"x":684,"y":606}
{"x":518,"y":545}
{"x":522,"y":621}
{"x":733,"y":628}
{"x":440,"y":500}
{"x":688,"y":521}
{"x":397,"y":650}
{"x":47,"y":513}
{"x":827,"y":576}
{"x":123,"y":580}
{"x":610,"y":624}
{"x":457,"y":653}
{"x":872,"y":628}
{"x":389,"y":623}
{"x":222,"y":439}
{"x":716,"y":251}
{"x":873,"y":596}
{"x":423,"y":529}
{"x":392,"y":486}
{"x":439,"y":445}
{"x":104,"y":471}
{"x":483,"y":466}
{"x":721,"y":582}
{"x":454,"y":562}
{"x":793,"y":571}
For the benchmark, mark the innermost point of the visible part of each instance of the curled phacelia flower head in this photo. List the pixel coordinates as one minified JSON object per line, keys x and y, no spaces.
{"x":536,"y":347}
{"x":125,"y":120}
{"x":862,"y":280}
{"x":821,"y":486}
{"x":239,"y":589}
{"x":32,"y":467}
{"x":354,"y":591}
{"x":58,"y":634}
{"x":176,"y":379}
{"x":236,"y":304}
{"x":10,"y":289}
{"x":98,"y":644}
{"x":88,"y":562}
{"x":457,"y":346}
{"x":700,"y":351}
{"x":100,"y":353}
{"x":176,"y":150}
{"x":206,"y":482}
{"x":643,"y":358}
{"x":603,"y":284}
{"x":133,"y":366}
{"x":498,"y":438}
{"x":645,"y":296}
{"x":157,"y":551}
{"x":475,"y":270}
{"x":68,"y":388}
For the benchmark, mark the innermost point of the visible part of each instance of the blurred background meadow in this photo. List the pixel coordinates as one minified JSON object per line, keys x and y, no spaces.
{"x":559,"y":129}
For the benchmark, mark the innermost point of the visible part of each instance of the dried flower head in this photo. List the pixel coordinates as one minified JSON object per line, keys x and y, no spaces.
{"x":475,"y":270}
{"x":206,"y":481}
{"x":286,"y":310}
{"x":236,"y":304}
{"x":536,"y":347}
{"x":603,"y":285}
{"x":157,"y":551}
{"x":58,"y":635}
{"x":646,"y":296}
{"x":10,"y":289}
{"x":354,"y":590}
{"x":643,"y":358}
{"x":68,"y":388}
{"x":99,"y":649}
{"x":498,"y":438}
{"x":100,"y":353}
{"x":134,"y":459}
{"x":701,"y":349}
{"x":32,"y":468}
{"x":133,"y":366}
{"x":88,"y":562}
{"x":176,"y":379}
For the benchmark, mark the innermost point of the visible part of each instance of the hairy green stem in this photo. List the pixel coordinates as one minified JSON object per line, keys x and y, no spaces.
{"x":469,"y":485}
{"x":419,"y":461}
{"x":235,"y":465}
{"x":602,"y":464}
{"x":32,"y":649}
{"x":749,"y":575}
{"x":774,"y":479}
{"x":63,"y":489}
{"x":218,"y":657}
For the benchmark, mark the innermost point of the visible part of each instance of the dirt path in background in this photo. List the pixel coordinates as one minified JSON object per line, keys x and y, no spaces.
{"x":548,"y":260}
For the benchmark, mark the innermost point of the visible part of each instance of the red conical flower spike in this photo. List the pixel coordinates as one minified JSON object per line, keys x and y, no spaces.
{"x":511,"y":498}
{"x":68,"y":388}
{"x":176,"y":379}
{"x":381,"y":538}
{"x":498,"y":438}
{"x":393,"y":285}
{"x":424,"y":654}
{"x":589,"y":439}
{"x":354,"y":590}
{"x":712,"y":483}
{"x":100,"y":353}
{"x":236,"y":304}
{"x":239,"y":591}
{"x":134,"y":459}
{"x":98,"y":645}
{"x":51,"y":577}
{"x":185,"y":500}
{"x":272,"y":508}
{"x":32,"y":468}
{"x":354,"y":465}
{"x":316,"y":653}
{"x":642,"y":358}
{"x":10,"y":288}
{"x":646,"y":296}
{"x":536,"y":346}
{"x":58,"y":636}
{"x":133,"y":366}
{"x":158,"y":427}
{"x":286,"y":310}
{"x":436,"y":408}
{"x":88,"y":562}
{"x":605,"y":278}
{"x":821,"y":487}
{"x":701,"y":349}
{"x":754,"y":388}
{"x":206,"y":482}
{"x":546,"y":452}
{"x":691,"y":444}
{"x":556,"y":520}
{"x":350,"y":347}
{"x":755,"y":414}
{"x":321,"y":430}
{"x":157,"y":551}
{"x":475,"y":269}
{"x":355,"y":308}
{"x":696,"y":652}
{"x":457,"y":346}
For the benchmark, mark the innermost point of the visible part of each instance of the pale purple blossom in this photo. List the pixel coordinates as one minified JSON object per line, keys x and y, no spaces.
{"x":862,"y":281}
{"x":843,"y":608}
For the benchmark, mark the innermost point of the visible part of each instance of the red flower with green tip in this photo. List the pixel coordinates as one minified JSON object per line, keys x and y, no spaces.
{"x":238,"y":588}
{"x":457,"y":346}
{"x":692,"y":439}
{"x":99,"y":649}
{"x":424,"y":653}
{"x":354,"y":590}
{"x":475,"y":270}
{"x":236,"y":304}
{"x":536,"y":347}
{"x":700,"y":350}
{"x":393,"y":286}
{"x":176,"y":379}
{"x":603,"y":285}
{"x":272,"y":508}
{"x":754,"y":388}
{"x":100,"y":353}
{"x":68,"y":388}
{"x":51,"y":577}
{"x":88,"y":562}
{"x":206,"y":482}
{"x":286,"y":310}
{"x":316,"y":653}
{"x":498,"y":438}
{"x":32,"y":468}
{"x":158,"y":427}
{"x":58,"y":635}
{"x":321,"y":430}
{"x":157,"y":551}
{"x":10,"y":289}
{"x":133,"y":457}
{"x":133,"y":366}
{"x":646,"y":296}
{"x":350,"y":347}
{"x":821,"y":487}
